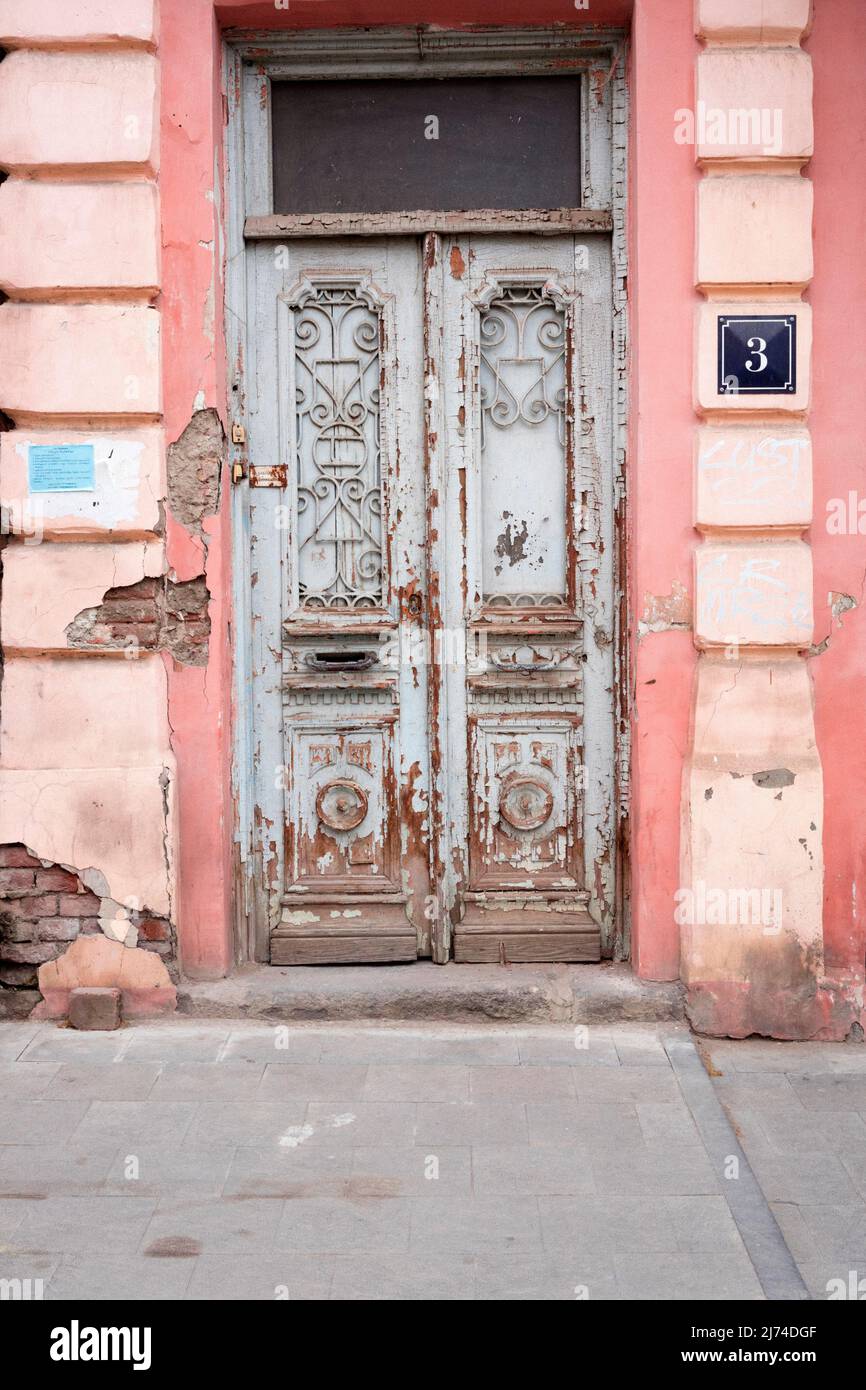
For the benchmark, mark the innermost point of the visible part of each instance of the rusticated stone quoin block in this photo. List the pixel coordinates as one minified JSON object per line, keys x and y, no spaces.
{"x":754,"y":104}
{"x":752,"y":21}
{"x":755,"y":782}
{"x":61,"y":22}
{"x":707,"y":394}
{"x":116,"y":820}
{"x":754,"y":230}
{"x":753,"y":594}
{"x":95,"y":1009}
{"x":80,"y":359}
{"x":48,"y":591}
{"x":119,"y":712}
{"x":751,"y":476}
{"x":73,"y":237}
{"x":129,"y":475}
{"x":88,"y":111}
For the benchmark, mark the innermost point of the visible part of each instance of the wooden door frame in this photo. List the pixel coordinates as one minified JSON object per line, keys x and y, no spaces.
{"x":251,"y":61}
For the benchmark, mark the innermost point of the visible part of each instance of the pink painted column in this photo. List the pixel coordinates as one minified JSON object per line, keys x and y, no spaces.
{"x":194,"y":380}
{"x":661,"y":304}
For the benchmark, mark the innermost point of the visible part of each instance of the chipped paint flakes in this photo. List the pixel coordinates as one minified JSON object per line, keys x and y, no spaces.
{"x":667,"y":612}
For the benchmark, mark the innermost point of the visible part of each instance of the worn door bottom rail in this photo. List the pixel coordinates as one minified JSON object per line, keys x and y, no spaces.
{"x":343,"y":929}
{"x":502,"y":927}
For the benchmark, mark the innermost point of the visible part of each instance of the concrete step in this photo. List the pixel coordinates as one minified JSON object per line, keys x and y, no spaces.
{"x":529,"y":993}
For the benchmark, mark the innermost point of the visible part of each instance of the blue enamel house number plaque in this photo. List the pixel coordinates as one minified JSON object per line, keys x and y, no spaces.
{"x":757,"y":356}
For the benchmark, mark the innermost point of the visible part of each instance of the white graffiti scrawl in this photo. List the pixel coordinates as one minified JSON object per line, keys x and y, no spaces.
{"x":750,"y":594}
{"x":748,"y":471}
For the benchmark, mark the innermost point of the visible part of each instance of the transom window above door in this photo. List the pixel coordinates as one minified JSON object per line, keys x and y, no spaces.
{"x":445,"y":144}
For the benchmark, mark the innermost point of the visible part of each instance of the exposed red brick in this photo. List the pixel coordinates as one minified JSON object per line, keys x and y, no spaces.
{"x":58,"y":928}
{"x":28,"y":908}
{"x":155,"y":614}
{"x":14,"y":930}
{"x":154,"y":930}
{"x":78,"y":905}
{"x":16,"y":857}
{"x":18,"y":976}
{"x":144,"y":589}
{"x":58,"y":879}
{"x":33,"y":952}
{"x":45,"y":909}
{"x":16,"y":880}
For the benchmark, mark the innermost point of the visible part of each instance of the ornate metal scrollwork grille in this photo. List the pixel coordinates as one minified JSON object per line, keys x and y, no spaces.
{"x":523,"y":382}
{"x":522,"y":360}
{"x":338,"y":441}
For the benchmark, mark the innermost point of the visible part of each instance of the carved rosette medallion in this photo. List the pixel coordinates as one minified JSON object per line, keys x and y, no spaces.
{"x":341,"y":805}
{"x":525,"y":803}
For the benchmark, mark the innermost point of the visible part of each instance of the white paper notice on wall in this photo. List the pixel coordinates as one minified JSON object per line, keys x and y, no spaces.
{"x":117,"y":495}
{"x":61,"y":468}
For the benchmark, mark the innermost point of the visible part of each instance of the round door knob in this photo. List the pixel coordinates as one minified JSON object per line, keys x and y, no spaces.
{"x":525,"y":803}
{"x":341,"y":805}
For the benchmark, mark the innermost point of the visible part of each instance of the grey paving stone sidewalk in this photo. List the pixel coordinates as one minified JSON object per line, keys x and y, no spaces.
{"x":799,"y":1110}
{"x":201,"y":1160}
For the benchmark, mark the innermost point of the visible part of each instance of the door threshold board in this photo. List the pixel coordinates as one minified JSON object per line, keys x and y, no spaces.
{"x":345,"y":949}
{"x":492,"y":947}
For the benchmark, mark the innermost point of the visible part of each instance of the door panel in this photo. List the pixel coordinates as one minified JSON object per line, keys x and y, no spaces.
{"x":525,"y":812}
{"x":522,"y":408}
{"x":339,"y":554}
{"x":526,"y":403}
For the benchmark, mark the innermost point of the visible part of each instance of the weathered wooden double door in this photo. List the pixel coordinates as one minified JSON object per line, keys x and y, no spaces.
{"x":432,"y":600}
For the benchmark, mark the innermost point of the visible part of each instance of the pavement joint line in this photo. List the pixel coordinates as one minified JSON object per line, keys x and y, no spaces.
{"x":759,"y":1230}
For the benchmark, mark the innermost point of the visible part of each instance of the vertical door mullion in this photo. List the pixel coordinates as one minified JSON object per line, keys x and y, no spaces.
{"x":435,"y":489}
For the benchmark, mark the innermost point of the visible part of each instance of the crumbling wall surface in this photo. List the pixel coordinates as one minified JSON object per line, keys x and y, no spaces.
{"x":92,"y":618}
{"x":195,"y":463}
{"x":44,"y":908}
{"x":151,"y":616}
